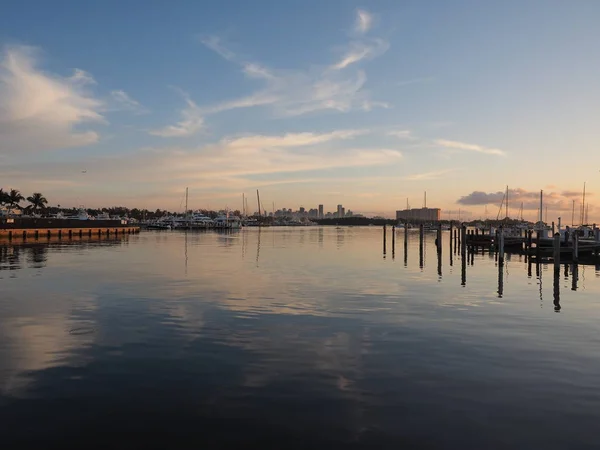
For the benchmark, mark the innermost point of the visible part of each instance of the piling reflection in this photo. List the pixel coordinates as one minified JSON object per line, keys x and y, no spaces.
{"x":556,"y":290}
{"x":463,"y":270}
{"x":500,"y":280}
{"x":34,"y":255}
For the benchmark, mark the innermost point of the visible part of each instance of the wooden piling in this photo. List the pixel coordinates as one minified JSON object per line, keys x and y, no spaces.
{"x":553,"y":229}
{"x":501,"y":247}
{"x":439,"y":237}
{"x":575,"y":247}
{"x":557,"y":252}
{"x":384,"y":239}
{"x":463,"y":240}
{"x":393,"y":240}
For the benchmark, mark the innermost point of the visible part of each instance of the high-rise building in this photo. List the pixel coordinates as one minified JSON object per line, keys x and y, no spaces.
{"x":320,"y":211}
{"x":340,"y":211}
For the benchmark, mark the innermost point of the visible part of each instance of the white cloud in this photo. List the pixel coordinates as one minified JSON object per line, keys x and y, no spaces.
{"x":358,"y":51}
{"x":123,"y":101}
{"x":214,"y":43}
{"x":221,"y":168}
{"x":296,"y":92}
{"x":401,"y":134}
{"x":470,"y":147}
{"x":41,"y":111}
{"x":191,"y":122}
{"x":428,"y":175}
{"x":364,"y":20}
{"x":291,"y":139}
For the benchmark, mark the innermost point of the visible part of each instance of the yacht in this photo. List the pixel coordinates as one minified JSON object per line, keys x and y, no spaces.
{"x":231,"y":222}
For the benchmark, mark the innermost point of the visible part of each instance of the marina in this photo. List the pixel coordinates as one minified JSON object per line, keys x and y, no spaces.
{"x":132,"y":325}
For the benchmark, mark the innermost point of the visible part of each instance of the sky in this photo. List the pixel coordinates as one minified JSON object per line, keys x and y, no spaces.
{"x":366,"y":104}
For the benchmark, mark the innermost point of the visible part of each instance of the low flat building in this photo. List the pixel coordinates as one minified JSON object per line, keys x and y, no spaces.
{"x":419,"y":214}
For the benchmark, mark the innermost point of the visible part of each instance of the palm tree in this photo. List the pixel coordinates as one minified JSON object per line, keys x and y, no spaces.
{"x":3,"y":197}
{"x":13,"y":198}
{"x":38,"y":201}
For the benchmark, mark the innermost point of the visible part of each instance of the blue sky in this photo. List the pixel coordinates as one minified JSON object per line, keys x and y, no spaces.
{"x":361,"y":103}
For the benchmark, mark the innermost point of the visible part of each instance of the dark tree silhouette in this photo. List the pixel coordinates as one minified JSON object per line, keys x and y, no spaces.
{"x":38,"y":202}
{"x":14,"y":197}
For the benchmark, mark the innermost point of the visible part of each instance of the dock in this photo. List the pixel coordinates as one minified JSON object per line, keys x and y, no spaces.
{"x":36,"y":228}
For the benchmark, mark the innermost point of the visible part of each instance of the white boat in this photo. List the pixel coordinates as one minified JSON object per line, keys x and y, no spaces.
{"x":230,"y":222}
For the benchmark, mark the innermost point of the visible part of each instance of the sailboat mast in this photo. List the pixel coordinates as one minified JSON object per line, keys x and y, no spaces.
{"x":425,"y":201}
{"x":258,"y":200}
{"x":541,"y":205}
{"x":186,"y":202}
{"x":573,"y":215}
{"x":583,"y":206}
{"x":507,"y":202}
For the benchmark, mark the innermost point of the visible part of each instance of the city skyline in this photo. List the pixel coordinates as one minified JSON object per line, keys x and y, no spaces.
{"x":352,"y":103}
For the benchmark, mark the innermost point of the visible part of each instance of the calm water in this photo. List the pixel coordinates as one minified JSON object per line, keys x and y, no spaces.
{"x":293,"y":337}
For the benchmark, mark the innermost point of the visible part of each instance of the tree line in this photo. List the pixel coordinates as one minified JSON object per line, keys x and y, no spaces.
{"x":38,"y":204}
{"x":13,"y":199}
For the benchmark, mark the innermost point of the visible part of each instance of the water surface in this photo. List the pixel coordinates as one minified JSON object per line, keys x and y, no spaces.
{"x":291,"y":337}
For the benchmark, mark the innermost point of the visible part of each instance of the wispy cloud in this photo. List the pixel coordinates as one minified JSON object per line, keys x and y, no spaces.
{"x":214,"y":43}
{"x":122,"y":101}
{"x":291,"y":139}
{"x":434,"y":175}
{"x":401,"y":134}
{"x":297,"y":92}
{"x":227,"y":165}
{"x":191,"y":122}
{"x":469,"y":147}
{"x":364,"y":20}
{"x":40,"y":110}
{"x":357,"y":51}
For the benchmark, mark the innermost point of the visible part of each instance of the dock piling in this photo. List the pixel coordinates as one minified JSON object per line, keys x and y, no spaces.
{"x":501,"y":247}
{"x":384,"y":239}
{"x":393,"y":240}
{"x":575,"y":247}
{"x":556,"y":252}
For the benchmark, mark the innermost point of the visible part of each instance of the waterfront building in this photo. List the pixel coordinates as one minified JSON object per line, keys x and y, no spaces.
{"x":419,"y":214}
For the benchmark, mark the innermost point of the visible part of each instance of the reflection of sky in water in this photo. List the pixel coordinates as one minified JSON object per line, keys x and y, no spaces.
{"x":309,"y":330}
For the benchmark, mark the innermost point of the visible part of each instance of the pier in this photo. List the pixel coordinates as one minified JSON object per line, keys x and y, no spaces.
{"x":37,"y":228}
{"x":69,"y":232}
